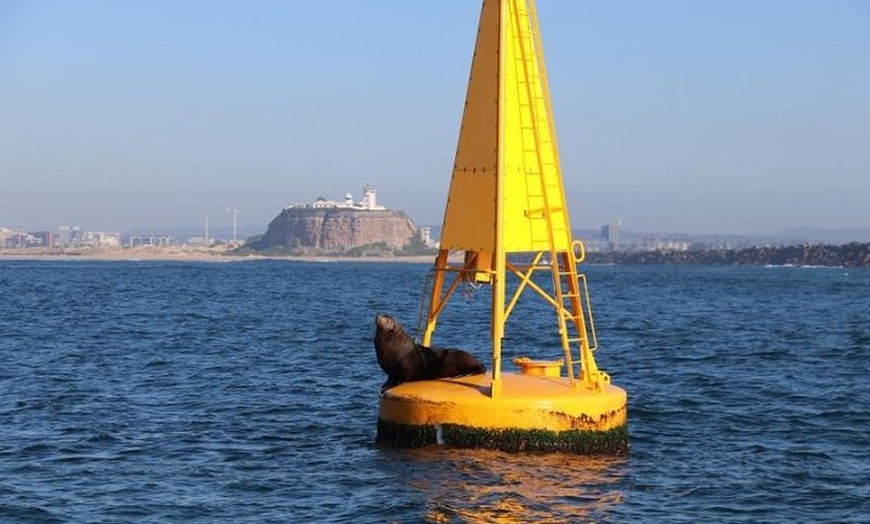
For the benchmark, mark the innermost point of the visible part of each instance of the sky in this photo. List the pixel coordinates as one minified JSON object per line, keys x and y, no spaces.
{"x":737,"y":116}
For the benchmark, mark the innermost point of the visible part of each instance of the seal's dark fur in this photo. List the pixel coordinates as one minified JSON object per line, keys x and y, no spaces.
{"x":403,"y":360}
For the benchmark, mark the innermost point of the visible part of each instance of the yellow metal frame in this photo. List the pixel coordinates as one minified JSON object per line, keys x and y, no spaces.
{"x":506,"y":194}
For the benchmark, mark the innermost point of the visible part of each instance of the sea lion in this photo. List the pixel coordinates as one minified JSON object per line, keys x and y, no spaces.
{"x":403,"y":360}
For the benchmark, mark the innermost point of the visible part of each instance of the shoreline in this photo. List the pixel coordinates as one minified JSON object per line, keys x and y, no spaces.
{"x":854,"y":255}
{"x":186,"y":255}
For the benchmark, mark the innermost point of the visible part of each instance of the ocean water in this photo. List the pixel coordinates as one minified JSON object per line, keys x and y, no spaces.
{"x":247,"y":392}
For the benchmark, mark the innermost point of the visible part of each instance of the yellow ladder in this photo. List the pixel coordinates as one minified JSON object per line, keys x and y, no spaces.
{"x":570,"y":289}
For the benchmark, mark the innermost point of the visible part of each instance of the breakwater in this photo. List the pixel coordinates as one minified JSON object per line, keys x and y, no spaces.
{"x":847,"y":255}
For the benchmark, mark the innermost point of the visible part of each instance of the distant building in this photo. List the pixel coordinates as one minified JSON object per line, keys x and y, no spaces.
{"x":67,"y":235}
{"x":101,"y":239}
{"x":5,"y":236}
{"x":611,"y":232}
{"x":75,"y":236}
{"x":149,"y":240}
{"x":369,"y":202}
{"x":426,"y":237}
{"x":46,"y":238}
{"x":18,"y":238}
{"x":655,"y":244}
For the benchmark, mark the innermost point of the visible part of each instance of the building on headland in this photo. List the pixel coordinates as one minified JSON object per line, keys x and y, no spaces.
{"x":426,"y":237}
{"x":369,"y":202}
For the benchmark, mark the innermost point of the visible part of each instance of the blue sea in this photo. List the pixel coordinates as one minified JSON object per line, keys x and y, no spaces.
{"x":160,"y":392}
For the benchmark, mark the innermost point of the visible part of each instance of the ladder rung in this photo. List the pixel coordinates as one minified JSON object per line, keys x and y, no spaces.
{"x":549,"y":210}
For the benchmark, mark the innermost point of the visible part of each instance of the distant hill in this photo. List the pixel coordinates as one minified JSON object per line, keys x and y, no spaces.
{"x":307,"y":230}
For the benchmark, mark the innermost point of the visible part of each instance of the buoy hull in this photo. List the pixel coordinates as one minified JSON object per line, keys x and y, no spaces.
{"x":532,"y":413}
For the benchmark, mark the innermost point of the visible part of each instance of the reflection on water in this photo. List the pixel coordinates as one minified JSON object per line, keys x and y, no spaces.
{"x":490,"y":486}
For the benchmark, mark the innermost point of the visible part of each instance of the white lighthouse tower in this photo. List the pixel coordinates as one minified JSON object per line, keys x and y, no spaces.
{"x":369,"y":199}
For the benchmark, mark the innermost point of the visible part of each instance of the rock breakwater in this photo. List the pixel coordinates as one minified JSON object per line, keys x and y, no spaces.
{"x":847,"y":255}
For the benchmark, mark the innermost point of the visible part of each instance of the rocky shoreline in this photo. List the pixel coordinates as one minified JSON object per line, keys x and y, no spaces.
{"x":852,"y":255}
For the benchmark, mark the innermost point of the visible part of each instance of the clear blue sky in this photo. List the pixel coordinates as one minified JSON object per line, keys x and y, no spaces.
{"x":743,"y":116}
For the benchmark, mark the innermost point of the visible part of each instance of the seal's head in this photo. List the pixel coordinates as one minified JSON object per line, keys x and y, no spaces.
{"x":387,"y":323}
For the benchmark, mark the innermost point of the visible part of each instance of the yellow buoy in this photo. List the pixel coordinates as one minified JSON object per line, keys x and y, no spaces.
{"x":506,"y":212}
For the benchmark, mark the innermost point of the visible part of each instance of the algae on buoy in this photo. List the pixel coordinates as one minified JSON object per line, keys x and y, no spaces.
{"x":506,"y":198}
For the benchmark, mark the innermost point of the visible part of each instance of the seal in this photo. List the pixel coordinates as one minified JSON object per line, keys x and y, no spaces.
{"x":403,"y":360}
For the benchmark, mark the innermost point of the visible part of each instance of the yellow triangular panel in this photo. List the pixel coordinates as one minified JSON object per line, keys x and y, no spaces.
{"x":507,"y":146}
{"x":469,"y":219}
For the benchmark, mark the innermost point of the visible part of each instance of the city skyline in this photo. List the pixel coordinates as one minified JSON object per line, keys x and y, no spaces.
{"x":232,"y":233}
{"x":721,"y":117}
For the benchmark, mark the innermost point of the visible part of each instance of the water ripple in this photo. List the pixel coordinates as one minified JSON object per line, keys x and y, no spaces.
{"x":187,"y":392}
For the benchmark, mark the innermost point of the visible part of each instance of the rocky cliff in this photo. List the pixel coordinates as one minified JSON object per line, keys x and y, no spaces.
{"x":335,"y":230}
